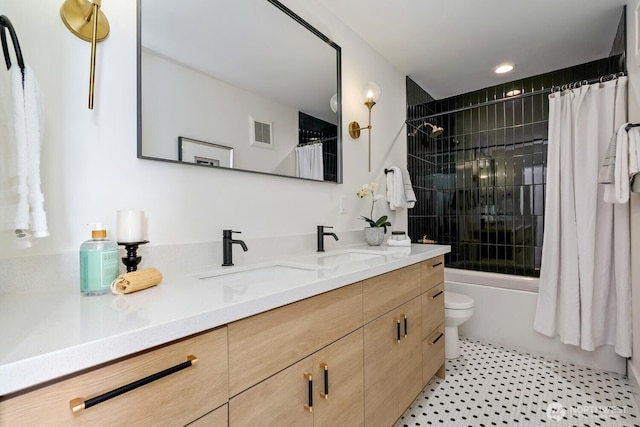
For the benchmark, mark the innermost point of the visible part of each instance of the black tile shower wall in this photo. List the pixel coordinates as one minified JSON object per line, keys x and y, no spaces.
{"x":480,"y":185}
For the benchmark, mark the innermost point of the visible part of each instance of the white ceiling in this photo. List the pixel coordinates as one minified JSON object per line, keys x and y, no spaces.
{"x":451,"y":47}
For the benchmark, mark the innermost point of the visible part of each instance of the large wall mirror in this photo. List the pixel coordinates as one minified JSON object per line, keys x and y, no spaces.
{"x":246,"y":85}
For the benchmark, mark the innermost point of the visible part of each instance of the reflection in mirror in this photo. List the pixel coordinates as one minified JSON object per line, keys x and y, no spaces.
{"x":248,"y":83}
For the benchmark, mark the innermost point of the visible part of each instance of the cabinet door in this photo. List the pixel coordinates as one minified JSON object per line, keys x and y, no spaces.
{"x":380,"y":371}
{"x":409,"y":363}
{"x":261,"y":345}
{"x":338,"y":370}
{"x":278,"y":401}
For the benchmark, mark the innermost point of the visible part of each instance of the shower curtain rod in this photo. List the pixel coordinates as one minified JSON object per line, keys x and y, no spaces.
{"x":573,"y":85}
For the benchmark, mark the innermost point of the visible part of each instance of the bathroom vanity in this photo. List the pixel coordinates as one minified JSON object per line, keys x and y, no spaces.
{"x":351,"y":341}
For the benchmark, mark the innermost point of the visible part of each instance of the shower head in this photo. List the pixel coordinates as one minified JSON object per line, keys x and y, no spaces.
{"x":435,"y":130}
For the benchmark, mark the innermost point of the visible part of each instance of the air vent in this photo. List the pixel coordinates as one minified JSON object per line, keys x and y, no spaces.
{"x":260,"y":133}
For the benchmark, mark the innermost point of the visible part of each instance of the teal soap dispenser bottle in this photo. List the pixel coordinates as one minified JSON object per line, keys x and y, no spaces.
{"x":98,"y":262}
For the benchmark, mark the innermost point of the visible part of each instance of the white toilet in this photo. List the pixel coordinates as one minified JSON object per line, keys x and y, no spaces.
{"x":458,"y":309}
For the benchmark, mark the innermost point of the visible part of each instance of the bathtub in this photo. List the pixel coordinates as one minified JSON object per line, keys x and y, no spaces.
{"x":504,"y":310}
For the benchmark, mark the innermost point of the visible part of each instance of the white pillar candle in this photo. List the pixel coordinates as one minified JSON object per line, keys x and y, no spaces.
{"x":129,"y":226}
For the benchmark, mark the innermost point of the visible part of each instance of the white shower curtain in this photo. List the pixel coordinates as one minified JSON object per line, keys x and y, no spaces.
{"x":585,"y":277}
{"x":309,"y":163}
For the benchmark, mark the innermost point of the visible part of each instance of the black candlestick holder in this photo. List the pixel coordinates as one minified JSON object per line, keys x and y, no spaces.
{"x":132,"y":259}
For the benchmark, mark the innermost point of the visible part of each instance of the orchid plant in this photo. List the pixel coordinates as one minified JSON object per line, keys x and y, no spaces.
{"x":365,"y":191}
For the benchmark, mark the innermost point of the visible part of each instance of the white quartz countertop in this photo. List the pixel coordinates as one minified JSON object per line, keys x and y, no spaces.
{"x":48,"y":335}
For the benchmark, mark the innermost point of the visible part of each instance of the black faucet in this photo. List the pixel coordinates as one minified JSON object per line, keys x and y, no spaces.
{"x":227,"y":252}
{"x":321,"y":234}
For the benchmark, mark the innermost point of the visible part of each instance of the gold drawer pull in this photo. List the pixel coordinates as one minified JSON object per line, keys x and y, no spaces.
{"x":397,"y":330}
{"x":78,"y":405}
{"x":406,"y":325}
{"x":437,"y":294}
{"x":309,"y":407}
{"x":437,"y":339}
{"x":325,"y":368}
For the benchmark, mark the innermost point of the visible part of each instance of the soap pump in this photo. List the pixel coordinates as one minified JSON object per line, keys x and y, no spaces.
{"x":98,"y":262}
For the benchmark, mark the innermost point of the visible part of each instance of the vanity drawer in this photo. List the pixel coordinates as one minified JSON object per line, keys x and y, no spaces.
{"x":387,"y":291}
{"x":261,"y":345}
{"x":175,"y":399}
{"x":433,"y":355}
{"x":432,"y":272}
{"x":432,"y":309}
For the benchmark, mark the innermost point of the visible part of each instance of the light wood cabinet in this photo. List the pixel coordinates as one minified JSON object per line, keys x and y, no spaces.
{"x":432,"y":272}
{"x":432,"y":309}
{"x":342,"y":364}
{"x":296,"y":395}
{"x":372,"y":346}
{"x":175,"y":399}
{"x":217,"y":418}
{"x":392,"y":363}
{"x":433,"y":355}
{"x":388,"y":291}
{"x":261,"y":345}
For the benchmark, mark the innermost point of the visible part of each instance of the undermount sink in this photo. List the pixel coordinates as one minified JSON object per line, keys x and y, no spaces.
{"x":259,"y":274}
{"x":351,"y":256}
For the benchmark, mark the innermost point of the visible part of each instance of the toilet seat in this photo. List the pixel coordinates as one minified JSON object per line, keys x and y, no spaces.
{"x":455,"y":301}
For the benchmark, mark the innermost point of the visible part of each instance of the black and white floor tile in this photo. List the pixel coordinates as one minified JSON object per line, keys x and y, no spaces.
{"x":493,"y":386}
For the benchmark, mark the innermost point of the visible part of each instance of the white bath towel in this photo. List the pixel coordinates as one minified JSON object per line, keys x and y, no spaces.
{"x":634,"y":158}
{"x":400,"y":194}
{"x":13,"y":140}
{"x":626,"y":165}
{"x":21,"y":199}
{"x":33,"y":107}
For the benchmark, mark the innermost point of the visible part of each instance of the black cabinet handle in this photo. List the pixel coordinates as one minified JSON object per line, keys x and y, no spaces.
{"x":436,"y":295}
{"x":309,"y":407}
{"x":436,"y":264}
{"x":397,"y":330}
{"x":78,"y":405}
{"x":437,"y":339}
{"x":325,"y":368}
{"x":406,"y":325}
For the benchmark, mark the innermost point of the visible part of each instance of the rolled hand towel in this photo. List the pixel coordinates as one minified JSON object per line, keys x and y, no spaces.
{"x":136,"y":281}
{"x":405,"y":242}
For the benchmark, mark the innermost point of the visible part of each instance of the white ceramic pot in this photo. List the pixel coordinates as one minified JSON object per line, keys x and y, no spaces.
{"x":374,"y":236}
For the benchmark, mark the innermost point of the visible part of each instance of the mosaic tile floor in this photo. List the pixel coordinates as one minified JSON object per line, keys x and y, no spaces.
{"x":490,"y":385}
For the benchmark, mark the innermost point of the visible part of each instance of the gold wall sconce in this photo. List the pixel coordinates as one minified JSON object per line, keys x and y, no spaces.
{"x":370,"y":93}
{"x":84,"y":19}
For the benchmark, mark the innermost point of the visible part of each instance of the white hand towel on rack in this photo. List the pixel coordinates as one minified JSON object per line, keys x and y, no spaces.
{"x":400,"y":194}
{"x":14,"y":206}
{"x":33,"y":107}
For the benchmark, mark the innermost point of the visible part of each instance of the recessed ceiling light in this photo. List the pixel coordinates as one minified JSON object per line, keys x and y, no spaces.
{"x":505,"y":68}
{"x":514,"y":92}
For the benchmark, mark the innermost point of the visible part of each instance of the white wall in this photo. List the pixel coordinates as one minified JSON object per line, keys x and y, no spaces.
{"x":89,"y":164}
{"x":200,"y":107}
